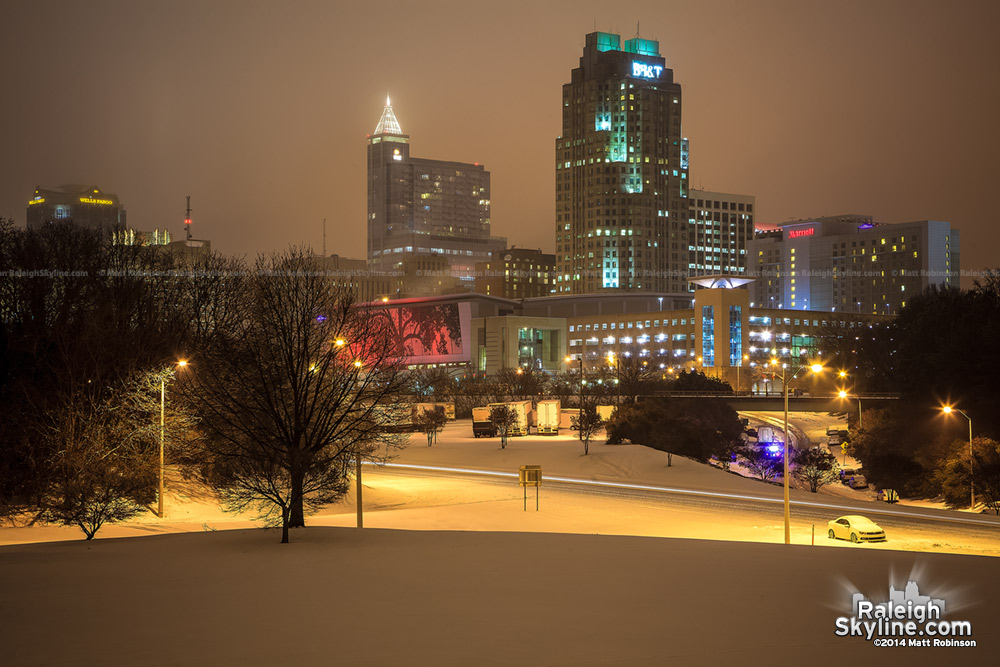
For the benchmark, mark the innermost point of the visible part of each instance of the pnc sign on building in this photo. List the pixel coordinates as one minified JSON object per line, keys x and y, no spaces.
{"x":796,"y":233}
{"x":646,"y":70}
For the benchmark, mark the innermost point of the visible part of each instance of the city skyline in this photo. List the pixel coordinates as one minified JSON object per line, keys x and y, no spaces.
{"x":262,"y":116}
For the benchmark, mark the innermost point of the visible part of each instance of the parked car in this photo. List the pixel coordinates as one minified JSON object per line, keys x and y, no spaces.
{"x":856,"y":529}
{"x":853,"y":478}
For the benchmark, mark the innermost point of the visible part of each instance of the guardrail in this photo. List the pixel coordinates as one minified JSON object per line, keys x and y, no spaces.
{"x":770,"y":396}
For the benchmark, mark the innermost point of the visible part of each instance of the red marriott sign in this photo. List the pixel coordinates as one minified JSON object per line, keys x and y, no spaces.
{"x":796,"y":233}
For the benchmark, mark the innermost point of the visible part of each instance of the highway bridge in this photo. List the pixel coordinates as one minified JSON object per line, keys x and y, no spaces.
{"x":801,"y":403}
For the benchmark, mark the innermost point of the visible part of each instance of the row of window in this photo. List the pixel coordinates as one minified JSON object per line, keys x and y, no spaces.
{"x":725,"y":205}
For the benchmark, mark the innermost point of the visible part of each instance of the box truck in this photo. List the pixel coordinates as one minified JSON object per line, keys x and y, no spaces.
{"x":548,"y":417}
{"x":481,"y":424}
{"x":449,"y":409}
{"x":566,"y":417}
{"x":523,"y":413}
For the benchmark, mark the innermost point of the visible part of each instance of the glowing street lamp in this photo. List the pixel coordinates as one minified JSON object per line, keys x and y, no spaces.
{"x":785,"y":380}
{"x":843,"y":394}
{"x":582,"y":382}
{"x":163,"y":419}
{"x":361,"y":519}
{"x":947,"y":409}
{"x":613,"y":359}
{"x":746,"y":357}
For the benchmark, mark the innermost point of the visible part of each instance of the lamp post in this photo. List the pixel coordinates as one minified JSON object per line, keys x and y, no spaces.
{"x":613,"y":358}
{"x":972,"y":489}
{"x":785,"y":380}
{"x":163,"y":421}
{"x":844,"y":394}
{"x":582,"y":381}
{"x":738,"y":367}
{"x":361,"y":518}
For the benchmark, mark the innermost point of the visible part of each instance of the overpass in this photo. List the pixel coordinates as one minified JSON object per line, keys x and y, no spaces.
{"x":776,"y":403}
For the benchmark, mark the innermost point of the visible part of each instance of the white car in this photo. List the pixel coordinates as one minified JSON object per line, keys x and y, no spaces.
{"x":856,"y":529}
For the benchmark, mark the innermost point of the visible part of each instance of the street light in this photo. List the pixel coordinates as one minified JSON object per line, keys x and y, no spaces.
{"x":972,"y":489}
{"x":613,"y":358}
{"x":163,"y":419}
{"x":361,"y":519}
{"x":785,"y":380}
{"x":738,"y":367}
{"x":843,"y":394}
{"x":582,"y":381}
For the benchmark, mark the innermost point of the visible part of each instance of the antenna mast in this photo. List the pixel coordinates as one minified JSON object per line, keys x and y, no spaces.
{"x":324,"y":237}
{"x":187,"y":220}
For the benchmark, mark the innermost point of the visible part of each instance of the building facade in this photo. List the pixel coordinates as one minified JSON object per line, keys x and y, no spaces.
{"x":84,"y":206}
{"x":516,"y":341}
{"x":722,"y":225}
{"x":420,"y":207}
{"x":721,"y":335}
{"x":714,"y":330}
{"x":621,"y":173}
{"x":850,"y":263}
{"x":517,"y":273}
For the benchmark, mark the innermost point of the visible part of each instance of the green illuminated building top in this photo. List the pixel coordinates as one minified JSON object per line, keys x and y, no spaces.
{"x":621,"y":173}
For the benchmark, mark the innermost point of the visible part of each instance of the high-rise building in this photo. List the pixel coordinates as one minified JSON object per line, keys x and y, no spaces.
{"x":84,"y":206}
{"x":851,"y":264}
{"x":517,"y":273}
{"x":621,"y":173}
{"x":721,"y":227}
{"x":422,"y":207}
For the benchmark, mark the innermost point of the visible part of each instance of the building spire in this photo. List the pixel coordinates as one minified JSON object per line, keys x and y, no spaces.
{"x":388,"y":124}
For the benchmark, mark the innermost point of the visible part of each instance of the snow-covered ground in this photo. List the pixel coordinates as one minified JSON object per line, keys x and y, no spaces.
{"x":451,"y":571}
{"x":395,"y":499}
{"x":340,"y":596}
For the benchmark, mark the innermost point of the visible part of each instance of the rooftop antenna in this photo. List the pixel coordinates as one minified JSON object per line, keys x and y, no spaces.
{"x":324,"y":237}
{"x":187,"y":220}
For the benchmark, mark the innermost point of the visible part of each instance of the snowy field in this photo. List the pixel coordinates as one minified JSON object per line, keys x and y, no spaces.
{"x":340,"y":596}
{"x":451,"y":571}
{"x":426,"y":502}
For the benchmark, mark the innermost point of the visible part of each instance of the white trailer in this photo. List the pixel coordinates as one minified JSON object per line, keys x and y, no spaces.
{"x":566,"y":417}
{"x":449,"y":409}
{"x":481,"y":424}
{"x":548,"y":417}
{"x":523,"y":413}
{"x":605,"y":411}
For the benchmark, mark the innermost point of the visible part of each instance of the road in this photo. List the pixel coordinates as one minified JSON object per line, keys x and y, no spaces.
{"x":640,"y":509}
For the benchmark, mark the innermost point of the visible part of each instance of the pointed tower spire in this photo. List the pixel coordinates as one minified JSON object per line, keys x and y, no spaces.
{"x":388,"y":124}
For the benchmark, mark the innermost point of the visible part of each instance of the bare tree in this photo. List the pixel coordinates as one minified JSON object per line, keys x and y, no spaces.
{"x":635,"y":376}
{"x":81,"y":317}
{"x":430,"y":422}
{"x":103,"y":462}
{"x":760,"y":463}
{"x":521,"y":384}
{"x":504,"y":420}
{"x":588,"y":423}
{"x":815,"y":466}
{"x":294,"y":395}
